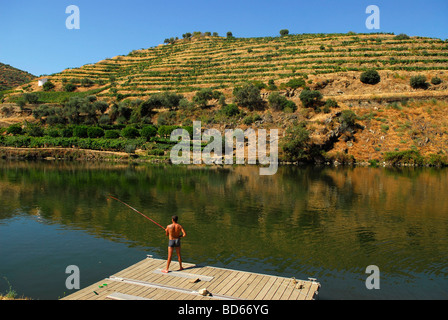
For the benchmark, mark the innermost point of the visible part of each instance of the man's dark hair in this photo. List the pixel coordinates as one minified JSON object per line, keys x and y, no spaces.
{"x":174,"y":218}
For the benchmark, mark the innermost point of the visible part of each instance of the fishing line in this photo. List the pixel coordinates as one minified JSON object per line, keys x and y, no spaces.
{"x":136,"y":211}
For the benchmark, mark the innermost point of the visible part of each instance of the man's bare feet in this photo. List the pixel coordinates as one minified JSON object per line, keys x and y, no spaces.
{"x":180,"y":269}
{"x":165,"y":271}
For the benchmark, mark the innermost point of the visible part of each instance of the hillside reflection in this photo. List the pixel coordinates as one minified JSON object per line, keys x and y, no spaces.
{"x":299,"y":219}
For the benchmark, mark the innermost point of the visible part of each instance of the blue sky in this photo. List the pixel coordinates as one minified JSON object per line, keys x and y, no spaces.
{"x":34,"y":37}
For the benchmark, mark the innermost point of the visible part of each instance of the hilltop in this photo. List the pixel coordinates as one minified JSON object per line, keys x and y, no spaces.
{"x":348,"y":119}
{"x":11,"y":77}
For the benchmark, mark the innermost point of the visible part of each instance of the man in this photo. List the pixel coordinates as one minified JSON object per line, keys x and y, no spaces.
{"x":174,"y":232}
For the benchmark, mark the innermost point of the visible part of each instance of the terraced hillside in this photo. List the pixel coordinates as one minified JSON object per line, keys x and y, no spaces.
{"x":221,"y":63}
{"x":398,"y":118}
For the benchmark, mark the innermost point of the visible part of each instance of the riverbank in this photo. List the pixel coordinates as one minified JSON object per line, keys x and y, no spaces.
{"x":407,"y":158}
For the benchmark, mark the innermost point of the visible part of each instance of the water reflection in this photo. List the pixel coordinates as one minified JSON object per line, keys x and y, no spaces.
{"x":324,"y":222}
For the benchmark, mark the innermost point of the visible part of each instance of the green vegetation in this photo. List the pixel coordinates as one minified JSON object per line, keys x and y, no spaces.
{"x":404,"y":157}
{"x":436,"y":81}
{"x":278,"y":102}
{"x":370,"y":77}
{"x":419,"y":82}
{"x":248,"y":96}
{"x":311,"y":98}
{"x":284,"y":32}
{"x":48,"y":86}
{"x":11,"y":77}
{"x":297,"y":145}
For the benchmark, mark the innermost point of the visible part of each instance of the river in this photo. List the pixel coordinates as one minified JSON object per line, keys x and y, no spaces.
{"x":322,"y":222}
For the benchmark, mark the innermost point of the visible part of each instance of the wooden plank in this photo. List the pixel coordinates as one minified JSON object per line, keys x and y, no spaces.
{"x":254,"y":286}
{"x":313,"y":290}
{"x":124,"y":296}
{"x":269,"y":295}
{"x":266,"y":288}
{"x":184,"y":275}
{"x":146,"y":281}
{"x":230,"y":288}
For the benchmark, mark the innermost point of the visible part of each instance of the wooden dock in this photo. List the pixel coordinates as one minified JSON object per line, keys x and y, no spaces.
{"x":145,"y":281}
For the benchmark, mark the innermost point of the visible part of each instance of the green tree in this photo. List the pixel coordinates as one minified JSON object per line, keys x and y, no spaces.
{"x":248,"y":96}
{"x":230,"y":110}
{"x":278,"y":102}
{"x":347,"y":119}
{"x":31,"y":98}
{"x":95,"y":132}
{"x":296,"y":143}
{"x":311,"y":98}
{"x":48,"y":86}
{"x":284,"y":32}
{"x":87,"y":82}
{"x":370,"y":77}
{"x":70,"y":87}
{"x":204,"y":95}
{"x":130,"y":132}
{"x":148,"y":132}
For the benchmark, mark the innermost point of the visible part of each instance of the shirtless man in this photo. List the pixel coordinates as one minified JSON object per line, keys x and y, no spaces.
{"x":173,"y":231}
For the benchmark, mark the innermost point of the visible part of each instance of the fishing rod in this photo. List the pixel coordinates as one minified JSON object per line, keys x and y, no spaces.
{"x":137,"y":211}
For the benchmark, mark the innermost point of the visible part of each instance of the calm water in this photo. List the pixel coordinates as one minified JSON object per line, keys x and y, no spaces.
{"x":326,"y":223}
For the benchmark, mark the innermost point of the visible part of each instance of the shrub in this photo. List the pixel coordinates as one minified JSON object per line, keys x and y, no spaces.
{"x":95,"y":132}
{"x":402,"y":36}
{"x":101,"y":106}
{"x":229,"y":34}
{"x":14,"y":129}
{"x":248,"y":120}
{"x":53,"y":132}
{"x":297,"y":143}
{"x":165,"y":131}
{"x":295,"y":83}
{"x":271,"y":85}
{"x":311,"y":98}
{"x":248,"y":96}
{"x":130,"y":133}
{"x":104,"y":120}
{"x":67,"y":132}
{"x":284,"y":32}
{"x":34,"y":130}
{"x":331,"y":103}
{"x":419,"y":82}
{"x":404,"y":157}
{"x":31,"y":98}
{"x":48,"y":86}
{"x":148,"y":132}
{"x":112,"y":134}
{"x":87,"y":82}
{"x":370,"y":77}
{"x":230,"y":110}
{"x":347,"y":119}
{"x":436,"y":81}
{"x":277,"y":102}
{"x":202,"y":96}
{"x":80,"y":131}
{"x":70,"y":87}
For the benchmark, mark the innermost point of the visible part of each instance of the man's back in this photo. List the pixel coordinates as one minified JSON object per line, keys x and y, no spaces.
{"x":174,"y":230}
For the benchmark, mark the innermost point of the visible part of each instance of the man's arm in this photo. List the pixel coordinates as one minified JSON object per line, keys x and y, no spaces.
{"x":167,"y":232}
{"x":184,"y":234}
